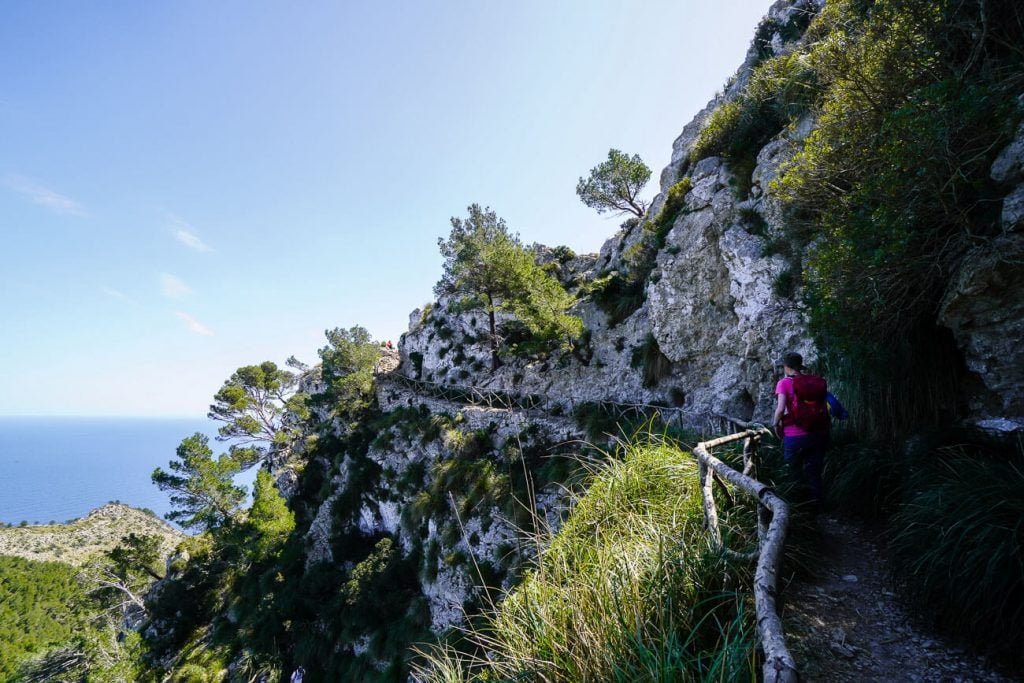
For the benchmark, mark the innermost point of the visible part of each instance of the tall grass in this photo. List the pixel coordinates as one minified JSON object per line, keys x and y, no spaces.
{"x":629,"y":589}
{"x":958,"y":545}
{"x":893,"y":388}
{"x":952,"y":505}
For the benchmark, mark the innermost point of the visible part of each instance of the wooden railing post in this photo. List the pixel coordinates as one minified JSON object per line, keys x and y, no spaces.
{"x":707,"y":493}
{"x":772,"y":520}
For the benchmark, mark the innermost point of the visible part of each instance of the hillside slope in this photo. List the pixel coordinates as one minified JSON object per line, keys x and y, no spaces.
{"x":78,"y":540}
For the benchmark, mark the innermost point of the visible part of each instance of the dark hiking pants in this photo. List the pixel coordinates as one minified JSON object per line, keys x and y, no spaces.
{"x":805,"y":456}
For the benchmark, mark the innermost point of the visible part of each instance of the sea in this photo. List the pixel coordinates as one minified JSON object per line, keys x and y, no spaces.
{"x":54,"y":469}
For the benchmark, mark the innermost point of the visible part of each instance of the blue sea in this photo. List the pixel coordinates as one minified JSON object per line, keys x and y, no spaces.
{"x":60,"y":468}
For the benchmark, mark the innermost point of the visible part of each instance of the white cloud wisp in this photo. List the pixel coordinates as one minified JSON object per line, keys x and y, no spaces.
{"x":173,"y":288}
{"x":194,"y":325}
{"x":191,"y":240}
{"x":116,"y":294}
{"x":43,"y":196}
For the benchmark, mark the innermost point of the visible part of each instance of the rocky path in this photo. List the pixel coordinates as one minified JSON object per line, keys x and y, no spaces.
{"x":845,"y":624}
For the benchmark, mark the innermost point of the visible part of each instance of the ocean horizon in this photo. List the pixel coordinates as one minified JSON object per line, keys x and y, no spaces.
{"x":54,"y":469}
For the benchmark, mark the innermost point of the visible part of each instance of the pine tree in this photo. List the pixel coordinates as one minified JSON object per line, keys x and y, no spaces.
{"x":201,"y":488}
{"x":270,"y":521}
{"x":613,"y":185}
{"x":259,"y":404}
{"x":490,"y":268}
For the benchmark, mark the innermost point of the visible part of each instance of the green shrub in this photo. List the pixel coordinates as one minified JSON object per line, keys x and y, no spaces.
{"x":865,"y":479}
{"x":618,"y":295}
{"x":653,"y":363}
{"x":675,"y":203}
{"x":958,"y":544}
{"x":785,"y":284}
{"x":597,"y":420}
{"x":563,"y":254}
{"x":780,"y":90}
{"x":753,"y":222}
{"x":425,"y":315}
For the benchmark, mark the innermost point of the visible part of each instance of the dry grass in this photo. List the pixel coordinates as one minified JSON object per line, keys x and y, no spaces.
{"x":77,"y":541}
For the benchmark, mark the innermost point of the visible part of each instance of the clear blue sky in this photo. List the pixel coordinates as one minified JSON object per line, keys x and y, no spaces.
{"x":187,"y":187}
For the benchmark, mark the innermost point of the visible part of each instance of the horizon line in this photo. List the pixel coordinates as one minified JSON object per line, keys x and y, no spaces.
{"x":104,"y":416}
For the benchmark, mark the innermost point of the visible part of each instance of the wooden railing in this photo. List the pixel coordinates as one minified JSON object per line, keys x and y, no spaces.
{"x":469,"y":395}
{"x":499,"y":400}
{"x":772,"y":520}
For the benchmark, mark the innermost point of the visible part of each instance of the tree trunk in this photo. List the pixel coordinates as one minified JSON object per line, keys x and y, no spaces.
{"x":495,"y":363}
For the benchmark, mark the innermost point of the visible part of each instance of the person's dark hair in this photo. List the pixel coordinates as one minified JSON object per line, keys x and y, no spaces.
{"x":793,"y":360}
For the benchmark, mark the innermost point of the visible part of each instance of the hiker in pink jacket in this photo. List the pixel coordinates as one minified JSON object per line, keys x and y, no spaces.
{"x":803,"y":421}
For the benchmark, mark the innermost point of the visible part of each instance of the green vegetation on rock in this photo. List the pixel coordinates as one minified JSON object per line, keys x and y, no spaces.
{"x":911,"y":100}
{"x":488,"y":267}
{"x":628,"y":589}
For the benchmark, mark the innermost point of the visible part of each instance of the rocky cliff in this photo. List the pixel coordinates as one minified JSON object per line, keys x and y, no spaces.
{"x":709,"y":319}
{"x":433,"y":500}
{"x":712,"y":316}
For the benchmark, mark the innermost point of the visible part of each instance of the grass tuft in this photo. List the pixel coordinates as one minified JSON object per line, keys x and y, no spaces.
{"x":629,"y":589}
{"x":958,"y":545}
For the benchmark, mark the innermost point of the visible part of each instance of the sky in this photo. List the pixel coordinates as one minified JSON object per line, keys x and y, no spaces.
{"x":189,"y":187}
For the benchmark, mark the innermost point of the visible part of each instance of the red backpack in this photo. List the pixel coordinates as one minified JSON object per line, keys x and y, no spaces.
{"x":810,"y":408}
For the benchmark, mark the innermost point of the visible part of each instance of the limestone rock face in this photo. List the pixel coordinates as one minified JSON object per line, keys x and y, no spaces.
{"x":720,"y":305}
{"x":407,"y":462}
{"x":985,"y":310}
{"x":1008,"y":168}
{"x":712,"y":305}
{"x":1013,"y":210}
{"x":984,"y":306}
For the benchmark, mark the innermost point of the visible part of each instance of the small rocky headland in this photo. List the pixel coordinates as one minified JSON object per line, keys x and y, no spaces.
{"x":78,"y":540}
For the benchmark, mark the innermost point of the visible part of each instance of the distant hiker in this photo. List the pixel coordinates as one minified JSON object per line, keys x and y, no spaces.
{"x":803,"y":420}
{"x":297,"y":675}
{"x":389,"y":345}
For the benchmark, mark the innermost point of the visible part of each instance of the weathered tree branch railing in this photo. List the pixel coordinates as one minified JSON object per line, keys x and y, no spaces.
{"x":772,"y":520}
{"x":470,"y":395}
{"x":498,"y":400}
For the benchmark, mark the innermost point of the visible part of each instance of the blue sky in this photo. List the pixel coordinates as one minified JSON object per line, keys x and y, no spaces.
{"x":188,"y":187}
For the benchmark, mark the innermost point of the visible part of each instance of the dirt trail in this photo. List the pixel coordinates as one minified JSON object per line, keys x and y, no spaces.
{"x":846,"y":625}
